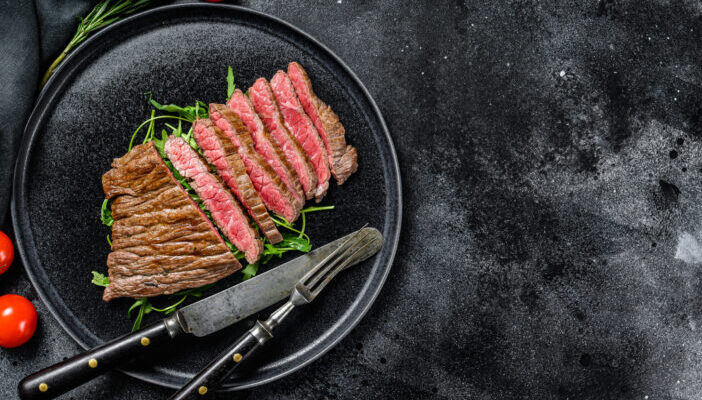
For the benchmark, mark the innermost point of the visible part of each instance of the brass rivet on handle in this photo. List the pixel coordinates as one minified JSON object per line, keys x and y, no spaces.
{"x":43,"y":387}
{"x":237,"y":357}
{"x":202,"y":390}
{"x":92,"y":363}
{"x":145,"y":341}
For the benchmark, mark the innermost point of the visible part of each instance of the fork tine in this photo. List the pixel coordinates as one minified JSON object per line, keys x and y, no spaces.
{"x":336,"y":270}
{"x":340,"y":257}
{"x":326,"y":259}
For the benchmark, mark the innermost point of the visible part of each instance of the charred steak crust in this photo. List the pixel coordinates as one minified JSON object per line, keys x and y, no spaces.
{"x":301,"y":126}
{"x":262,"y":97}
{"x":161,"y":241}
{"x":343,"y":159}
{"x":219,"y":151}
{"x":225,"y":210}
{"x":266,"y":145}
{"x":274,"y":193}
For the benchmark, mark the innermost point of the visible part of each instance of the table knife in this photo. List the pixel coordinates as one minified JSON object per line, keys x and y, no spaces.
{"x":201,"y":318}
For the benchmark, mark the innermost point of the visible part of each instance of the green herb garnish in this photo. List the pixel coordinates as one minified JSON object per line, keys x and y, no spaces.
{"x":230,"y":83}
{"x":189,"y":113}
{"x":250,"y":271}
{"x":103,"y":14}
{"x":100,"y":279}
{"x":106,"y":214}
{"x":146,"y":307}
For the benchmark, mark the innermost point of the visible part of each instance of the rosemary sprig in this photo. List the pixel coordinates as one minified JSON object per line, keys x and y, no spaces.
{"x":103,"y":14}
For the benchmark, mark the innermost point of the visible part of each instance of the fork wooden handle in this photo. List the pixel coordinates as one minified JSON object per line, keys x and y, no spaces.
{"x":203,"y":385}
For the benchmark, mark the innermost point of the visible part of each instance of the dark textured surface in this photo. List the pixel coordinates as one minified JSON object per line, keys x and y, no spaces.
{"x":32,"y":35}
{"x":18,"y":75}
{"x":551,"y":168}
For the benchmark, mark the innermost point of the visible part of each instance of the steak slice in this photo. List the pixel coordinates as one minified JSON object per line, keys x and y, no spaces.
{"x":301,"y":126}
{"x":343,"y":159}
{"x":266,"y":145}
{"x":262,"y":97}
{"x":161,"y":241}
{"x":274,"y":193}
{"x":219,"y":151}
{"x":225,"y":211}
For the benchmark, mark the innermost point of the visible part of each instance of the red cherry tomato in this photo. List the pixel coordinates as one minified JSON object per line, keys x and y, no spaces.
{"x":18,"y":320}
{"x":7,"y":252}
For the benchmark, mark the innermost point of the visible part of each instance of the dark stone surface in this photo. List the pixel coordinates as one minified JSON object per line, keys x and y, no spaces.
{"x":18,"y":76}
{"x":552,"y":178}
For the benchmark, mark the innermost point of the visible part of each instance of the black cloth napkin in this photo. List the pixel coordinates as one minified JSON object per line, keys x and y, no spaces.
{"x":32,"y":34}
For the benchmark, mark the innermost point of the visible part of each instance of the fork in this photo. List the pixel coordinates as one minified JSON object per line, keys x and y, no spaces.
{"x":304,"y":292}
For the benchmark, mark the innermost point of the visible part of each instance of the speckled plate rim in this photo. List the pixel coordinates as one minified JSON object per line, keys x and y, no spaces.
{"x":73,"y":326}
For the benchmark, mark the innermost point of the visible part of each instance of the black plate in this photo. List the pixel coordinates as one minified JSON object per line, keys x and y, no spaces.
{"x":84,"y":118}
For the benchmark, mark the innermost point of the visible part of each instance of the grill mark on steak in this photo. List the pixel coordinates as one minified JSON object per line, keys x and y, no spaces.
{"x":266,"y":145}
{"x":262,"y":97}
{"x":274,"y":193}
{"x":343,"y":159}
{"x":225,"y":211}
{"x":161,"y":241}
{"x":301,"y":126}
{"x":219,"y":151}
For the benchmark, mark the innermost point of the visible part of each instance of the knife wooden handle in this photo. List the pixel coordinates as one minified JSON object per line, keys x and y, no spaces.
{"x":71,"y":373}
{"x":203,"y":384}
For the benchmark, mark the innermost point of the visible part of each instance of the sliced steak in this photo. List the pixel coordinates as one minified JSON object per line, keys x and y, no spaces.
{"x":274,"y":193}
{"x":225,"y":211}
{"x":266,"y":145}
{"x":343,"y":159}
{"x":301,"y":126}
{"x":161,"y":241}
{"x":219,"y":151}
{"x":262,"y":97}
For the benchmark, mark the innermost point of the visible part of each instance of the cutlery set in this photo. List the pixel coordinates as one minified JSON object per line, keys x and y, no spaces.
{"x":300,"y":280}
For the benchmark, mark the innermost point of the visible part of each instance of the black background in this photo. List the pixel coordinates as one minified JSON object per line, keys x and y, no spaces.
{"x":550,"y":154}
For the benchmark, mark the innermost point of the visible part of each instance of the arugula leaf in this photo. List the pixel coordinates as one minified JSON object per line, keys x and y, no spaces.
{"x":150,"y":130}
{"x":100,"y":279}
{"x":190,"y":113}
{"x":106,"y":214}
{"x":316,"y":208}
{"x":250,"y":271}
{"x":265,"y":258}
{"x":148,"y":121}
{"x":296,"y":243}
{"x":136,"y":304}
{"x":160,"y":144}
{"x":230,"y":83}
{"x":145,"y":308}
{"x":172,"y":307}
{"x":280,"y":221}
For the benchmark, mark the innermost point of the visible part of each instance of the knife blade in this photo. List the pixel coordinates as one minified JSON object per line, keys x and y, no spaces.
{"x":201,"y":318}
{"x":251,"y":296}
